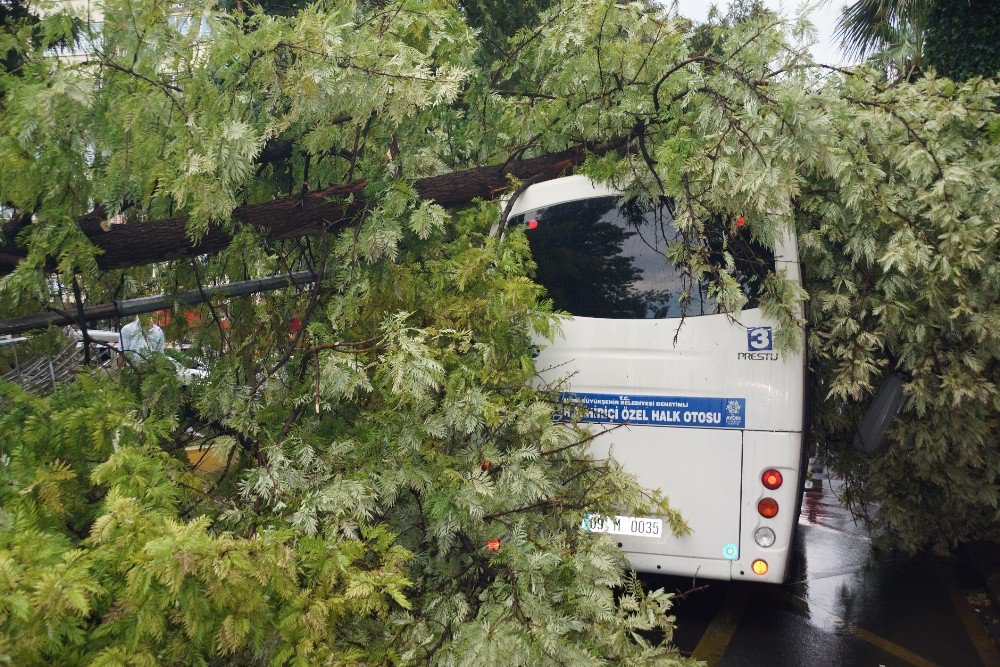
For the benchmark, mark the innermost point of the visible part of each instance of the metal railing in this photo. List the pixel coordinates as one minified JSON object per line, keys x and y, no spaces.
{"x":43,"y":373}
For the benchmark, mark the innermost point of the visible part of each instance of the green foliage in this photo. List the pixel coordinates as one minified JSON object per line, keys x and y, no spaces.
{"x":963,"y":38}
{"x":896,"y":27}
{"x":902,"y":254}
{"x":498,"y":21}
{"x":363,"y":536}
{"x":957,"y":38}
{"x":140,"y":584}
{"x":394,"y":489}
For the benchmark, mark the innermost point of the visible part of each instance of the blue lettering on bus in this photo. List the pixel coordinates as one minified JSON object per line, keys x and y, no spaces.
{"x":690,"y":411}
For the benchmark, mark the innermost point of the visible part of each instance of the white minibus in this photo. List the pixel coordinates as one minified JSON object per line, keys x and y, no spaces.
{"x":712,"y":411}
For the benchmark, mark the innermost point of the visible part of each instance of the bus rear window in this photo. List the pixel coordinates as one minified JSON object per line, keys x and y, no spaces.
{"x":601,"y":257}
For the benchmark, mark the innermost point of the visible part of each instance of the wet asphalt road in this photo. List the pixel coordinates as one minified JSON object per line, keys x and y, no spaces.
{"x":843,"y":604}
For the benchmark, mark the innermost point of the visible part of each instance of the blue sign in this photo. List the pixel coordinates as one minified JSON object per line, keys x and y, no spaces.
{"x":759,"y":339}
{"x":691,"y":411}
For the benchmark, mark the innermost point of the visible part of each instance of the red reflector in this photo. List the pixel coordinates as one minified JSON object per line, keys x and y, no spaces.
{"x":532,"y":224}
{"x":771,"y":479}
{"x":768,"y":508}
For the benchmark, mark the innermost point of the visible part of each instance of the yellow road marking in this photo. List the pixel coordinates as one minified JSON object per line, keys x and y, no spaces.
{"x":889,"y":647}
{"x":988,"y":653}
{"x":875,"y":640}
{"x":720,"y":631}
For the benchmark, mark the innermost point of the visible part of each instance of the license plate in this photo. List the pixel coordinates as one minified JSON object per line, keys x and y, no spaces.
{"x":635,"y":526}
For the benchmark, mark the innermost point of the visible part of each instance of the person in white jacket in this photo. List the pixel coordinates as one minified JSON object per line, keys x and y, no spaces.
{"x":142,"y":335}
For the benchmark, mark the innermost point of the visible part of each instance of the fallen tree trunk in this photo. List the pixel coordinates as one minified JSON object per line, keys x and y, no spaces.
{"x":138,"y":243}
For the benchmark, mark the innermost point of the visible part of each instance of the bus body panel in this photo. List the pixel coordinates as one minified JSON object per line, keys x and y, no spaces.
{"x":700,"y":471}
{"x":712,"y":357}
{"x":783,"y":452}
{"x":705,"y":472}
{"x":558,"y":190}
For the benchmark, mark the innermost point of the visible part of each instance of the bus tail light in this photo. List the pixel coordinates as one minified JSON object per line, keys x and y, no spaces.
{"x":764,"y":537}
{"x":759,"y":567}
{"x":768,"y":508}
{"x":771,"y":478}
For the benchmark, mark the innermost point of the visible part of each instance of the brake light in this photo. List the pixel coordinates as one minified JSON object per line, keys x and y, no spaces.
{"x":759,"y":567}
{"x":767,"y":507}
{"x":532,"y":224}
{"x":771,"y":478}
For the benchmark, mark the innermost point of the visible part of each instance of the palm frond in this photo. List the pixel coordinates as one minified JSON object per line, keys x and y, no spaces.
{"x":867,"y":26}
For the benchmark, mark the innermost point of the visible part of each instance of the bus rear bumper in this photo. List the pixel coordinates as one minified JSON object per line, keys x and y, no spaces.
{"x":682,"y":566}
{"x":720,"y":570}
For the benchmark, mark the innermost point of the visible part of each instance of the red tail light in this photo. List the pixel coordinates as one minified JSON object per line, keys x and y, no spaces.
{"x":771,"y":478}
{"x":768,"y":508}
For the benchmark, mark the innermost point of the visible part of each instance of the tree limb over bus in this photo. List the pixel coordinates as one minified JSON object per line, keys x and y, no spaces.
{"x":331,"y":208}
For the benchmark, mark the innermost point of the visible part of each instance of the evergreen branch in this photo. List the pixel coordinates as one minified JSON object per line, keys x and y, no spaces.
{"x":509,"y":56}
{"x":313,"y":300}
{"x":211,"y":306}
{"x":670,"y":72}
{"x":129,"y":70}
{"x":753,"y":87}
{"x":523,"y":93}
{"x":650,"y":162}
{"x":550,"y":452}
{"x":228,"y":504}
{"x":346,"y":63}
{"x":541,"y":504}
{"x":513,"y":200}
{"x":693,"y":589}
{"x":247,"y":443}
{"x":734,"y":123}
{"x":913,"y":133}
{"x":354,"y":347}
{"x":168,"y":89}
{"x":276,"y":150}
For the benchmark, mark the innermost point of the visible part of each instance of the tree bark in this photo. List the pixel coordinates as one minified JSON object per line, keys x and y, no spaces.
{"x":138,"y":243}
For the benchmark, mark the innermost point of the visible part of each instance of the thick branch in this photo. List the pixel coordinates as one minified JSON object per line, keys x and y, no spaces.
{"x":138,"y":243}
